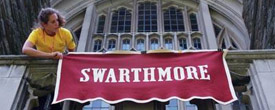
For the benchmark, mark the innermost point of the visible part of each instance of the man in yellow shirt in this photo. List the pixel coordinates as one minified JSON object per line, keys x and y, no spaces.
{"x":50,"y":39}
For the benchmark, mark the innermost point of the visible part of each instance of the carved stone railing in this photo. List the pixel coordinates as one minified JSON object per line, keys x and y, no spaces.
{"x":14,"y":69}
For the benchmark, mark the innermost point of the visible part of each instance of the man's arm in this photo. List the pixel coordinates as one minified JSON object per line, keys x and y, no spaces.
{"x":30,"y":51}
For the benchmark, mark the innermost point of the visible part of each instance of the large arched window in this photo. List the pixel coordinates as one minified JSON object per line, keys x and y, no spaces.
{"x":197,"y":43}
{"x":168,"y":43}
{"x":100,"y":25}
{"x":121,"y":21}
{"x":147,"y":17}
{"x":97,"y":45}
{"x":125,"y":44}
{"x":194,"y":23}
{"x":140,"y":45}
{"x":154,"y":44}
{"x":173,"y":20}
{"x":182,"y":44}
{"x":112,"y":45}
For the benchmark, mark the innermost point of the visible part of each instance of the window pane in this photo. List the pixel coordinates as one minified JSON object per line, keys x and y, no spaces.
{"x":197,"y":43}
{"x":101,"y":23}
{"x":168,"y":44}
{"x":194,"y":24}
{"x":140,"y":45}
{"x":111,"y":45}
{"x":126,"y":44}
{"x":173,"y":20}
{"x":182,"y":44}
{"x":121,"y":21}
{"x":154,"y":44}
{"x":150,"y":17}
{"x":97,"y":45}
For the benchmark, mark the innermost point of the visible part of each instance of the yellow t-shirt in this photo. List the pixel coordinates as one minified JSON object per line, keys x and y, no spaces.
{"x":43,"y":42}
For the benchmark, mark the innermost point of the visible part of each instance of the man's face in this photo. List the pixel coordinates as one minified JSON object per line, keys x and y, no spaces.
{"x":53,"y":24}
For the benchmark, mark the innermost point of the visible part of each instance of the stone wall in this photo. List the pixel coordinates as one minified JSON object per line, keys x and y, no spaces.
{"x":259,"y":17}
{"x":16,"y":20}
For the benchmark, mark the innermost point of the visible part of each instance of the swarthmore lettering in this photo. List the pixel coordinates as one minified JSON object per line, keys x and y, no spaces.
{"x":150,"y":74}
{"x":143,"y":78}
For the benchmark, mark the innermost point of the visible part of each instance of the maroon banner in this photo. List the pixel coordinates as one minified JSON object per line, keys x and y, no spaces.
{"x":142,"y":78}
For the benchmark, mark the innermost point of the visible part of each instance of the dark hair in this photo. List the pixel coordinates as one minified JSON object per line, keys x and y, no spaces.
{"x":45,"y":13}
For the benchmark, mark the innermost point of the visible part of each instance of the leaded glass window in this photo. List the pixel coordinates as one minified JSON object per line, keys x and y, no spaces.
{"x":97,"y":45}
{"x":140,"y":45}
{"x":101,"y":23}
{"x":182,"y":44}
{"x":173,"y":20}
{"x":112,"y":45}
{"x":125,"y":44}
{"x":121,"y":21}
{"x":147,"y":17}
{"x":154,"y":44}
{"x":168,"y":43}
{"x":194,"y":23}
{"x":197,"y":43}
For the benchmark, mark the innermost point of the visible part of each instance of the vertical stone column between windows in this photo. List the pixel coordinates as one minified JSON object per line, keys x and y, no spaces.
{"x":104,"y":41}
{"x":107,"y":21}
{"x":207,"y":25}
{"x":134,"y":17}
{"x":159,"y":14}
{"x":118,"y":41}
{"x":147,"y":42}
{"x":84,"y":36}
{"x":175,"y":41}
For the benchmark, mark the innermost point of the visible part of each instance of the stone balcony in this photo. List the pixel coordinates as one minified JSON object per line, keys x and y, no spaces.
{"x":14,"y":70}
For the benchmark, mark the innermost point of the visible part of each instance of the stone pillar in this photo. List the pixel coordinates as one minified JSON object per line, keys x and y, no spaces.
{"x":206,"y":23}
{"x":86,"y":28}
{"x":262,"y":73}
{"x":108,"y":20}
{"x":11,"y":86}
{"x":159,"y":14}
{"x":134,"y":17}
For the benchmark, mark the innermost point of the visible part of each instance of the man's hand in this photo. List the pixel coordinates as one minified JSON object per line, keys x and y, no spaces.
{"x":57,"y":55}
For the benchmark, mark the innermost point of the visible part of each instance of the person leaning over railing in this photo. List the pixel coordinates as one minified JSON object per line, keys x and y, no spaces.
{"x":48,"y":40}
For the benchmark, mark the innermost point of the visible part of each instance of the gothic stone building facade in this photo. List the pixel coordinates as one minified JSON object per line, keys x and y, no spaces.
{"x":143,"y":25}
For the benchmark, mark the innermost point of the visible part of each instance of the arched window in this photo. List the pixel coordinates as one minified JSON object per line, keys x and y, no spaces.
{"x":112,"y":45}
{"x":97,"y":45}
{"x":168,"y":43}
{"x":121,"y":21}
{"x":194,"y":23}
{"x":173,"y":20}
{"x":100,"y":25}
{"x":197,"y":43}
{"x":125,"y":44}
{"x":154,"y":44}
{"x":182,"y":44}
{"x":140,"y":45}
{"x":147,"y":17}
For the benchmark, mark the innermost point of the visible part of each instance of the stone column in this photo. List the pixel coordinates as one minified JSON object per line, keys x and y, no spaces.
{"x":262,"y":73}
{"x":159,"y":14}
{"x":11,"y":84}
{"x":108,"y":20}
{"x":207,"y":25}
{"x":86,"y":28}
{"x":134,"y":17}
